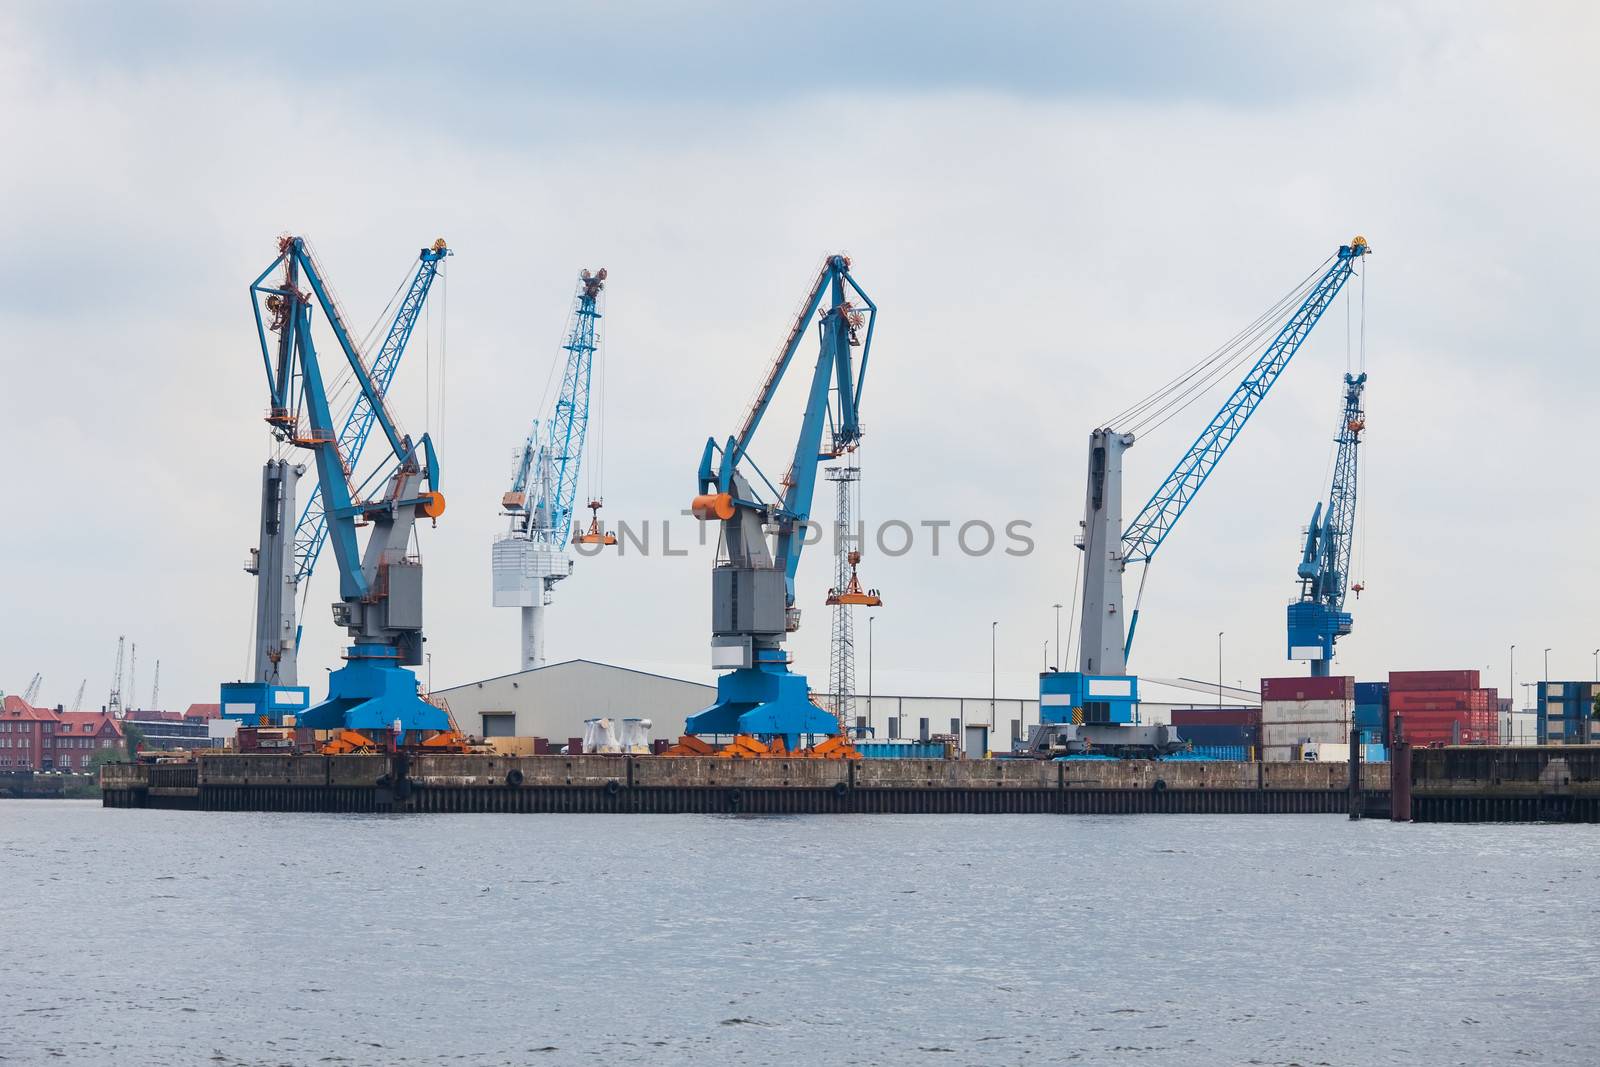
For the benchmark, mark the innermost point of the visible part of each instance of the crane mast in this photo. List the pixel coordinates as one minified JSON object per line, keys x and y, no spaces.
{"x":531,"y":557}
{"x":1318,"y":618}
{"x":288,"y":547}
{"x":752,"y":591}
{"x":380,"y":586}
{"x":1097,"y":703}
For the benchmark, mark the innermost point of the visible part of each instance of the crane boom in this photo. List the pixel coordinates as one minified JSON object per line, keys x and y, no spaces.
{"x":311,"y":533}
{"x":1318,"y":619}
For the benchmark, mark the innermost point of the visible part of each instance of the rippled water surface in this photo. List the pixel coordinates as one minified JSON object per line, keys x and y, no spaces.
{"x":147,"y":937}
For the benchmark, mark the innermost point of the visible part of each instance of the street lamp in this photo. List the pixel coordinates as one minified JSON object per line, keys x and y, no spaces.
{"x":1597,"y":664}
{"x":1058,"y":637}
{"x":1547,"y":666}
{"x":870,"y":620}
{"x":1512,"y":688}
{"x":994,"y":674}
{"x":1219,"y":668}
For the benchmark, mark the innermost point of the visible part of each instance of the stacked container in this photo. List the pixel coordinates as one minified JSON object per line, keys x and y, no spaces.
{"x":1372,"y":712}
{"x":1443,"y":708}
{"x":1563,"y":707}
{"x":1304,"y":711}
{"x":1220,"y":728}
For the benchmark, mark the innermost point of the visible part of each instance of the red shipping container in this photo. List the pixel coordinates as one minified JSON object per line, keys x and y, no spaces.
{"x":1435,"y":680}
{"x":1342,"y":688}
{"x":1216,"y":716}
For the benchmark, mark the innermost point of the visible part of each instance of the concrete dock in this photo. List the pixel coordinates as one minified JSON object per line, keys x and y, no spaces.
{"x":656,"y":784}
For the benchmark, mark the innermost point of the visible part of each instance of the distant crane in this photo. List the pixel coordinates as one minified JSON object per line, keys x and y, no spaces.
{"x":1093,"y":708}
{"x":531,"y":557}
{"x":760,"y":703}
{"x":114,"y":701}
{"x":155,"y":689}
{"x":30,"y":694}
{"x":284,"y":562}
{"x":845,"y":595}
{"x":77,"y":702}
{"x":133,"y":674}
{"x":1318,"y":619}
{"x":373,"y":696}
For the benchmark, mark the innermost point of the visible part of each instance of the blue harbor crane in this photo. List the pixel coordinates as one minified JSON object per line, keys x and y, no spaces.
{"x":1094,"y":707}
{"x":286,"y":558}
{"x":1318,"y":618}
{"x":753,"y":586}
{"x":380,"y":587}
{"x":531,"y":557}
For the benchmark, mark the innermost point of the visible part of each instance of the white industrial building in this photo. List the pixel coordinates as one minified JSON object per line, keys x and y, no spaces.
{"x":554,"y":701}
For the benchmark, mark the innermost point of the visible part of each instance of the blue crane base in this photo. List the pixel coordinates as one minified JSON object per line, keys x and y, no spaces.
{"x":263,"y":703}
{"x":370,"y":698}
{"x":766,"y":701}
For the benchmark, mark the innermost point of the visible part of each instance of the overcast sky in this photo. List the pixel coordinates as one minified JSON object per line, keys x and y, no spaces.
{"x":1056,"y":206}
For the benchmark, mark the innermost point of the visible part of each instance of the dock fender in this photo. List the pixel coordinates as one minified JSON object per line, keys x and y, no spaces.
{"x":1161,"y":785}
{"x":735,"y":797}
{"x":383,"y":781}
{"x":613,"y":788}
{"x":840,"y":789}
{"x":402,"y":789}
{"x":514,"y":777}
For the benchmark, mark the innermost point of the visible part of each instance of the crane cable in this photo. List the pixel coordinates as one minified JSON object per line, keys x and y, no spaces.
{"x":1156,"y":408}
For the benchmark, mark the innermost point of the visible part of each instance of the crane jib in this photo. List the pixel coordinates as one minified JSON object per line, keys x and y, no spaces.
{"x":1144,"y":535}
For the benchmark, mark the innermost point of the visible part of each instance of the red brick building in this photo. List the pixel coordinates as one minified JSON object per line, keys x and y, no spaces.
{"x":42,"y":739}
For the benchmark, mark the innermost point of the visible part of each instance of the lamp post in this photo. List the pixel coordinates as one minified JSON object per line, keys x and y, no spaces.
{"x":1547,"y":666}
{"x":1597,"y":664}
{"x":1219,"y":668}
{"x":870,"y":620}
{"x":1058,"y":637}
{"x":994,"y":673}
{"x":1512,"y":688}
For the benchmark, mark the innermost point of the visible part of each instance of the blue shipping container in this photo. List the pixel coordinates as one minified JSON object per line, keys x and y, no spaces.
{"x":1231,"y":753}
{"x":1369,"y":716}
{"x":900,"y":750}
{"x":1372,"y":693}
{"x":1219,"y":735}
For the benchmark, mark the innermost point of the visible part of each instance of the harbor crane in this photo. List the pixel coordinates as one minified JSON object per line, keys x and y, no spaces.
{"x":380,"y":588}
{"x":1318,"y":618}
{"x":1094,"y":707}
{"x":288,"y":554}
{"x":761,"y":704}
{"x":529,"y":559}
{"x":114,"y":700}
{"x":30,"y":694}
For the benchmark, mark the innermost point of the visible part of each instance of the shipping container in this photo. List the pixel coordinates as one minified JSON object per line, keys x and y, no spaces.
{"x":1400,"y":681}
{"x":1216,"y":716}
{"x":1307,"y":689}
{"x":1229,"y":753}
{"x":1306,"y":711}
{"x":1371,"y":692}
{"x":1295,"y":733}
{"x":1220,"y":735}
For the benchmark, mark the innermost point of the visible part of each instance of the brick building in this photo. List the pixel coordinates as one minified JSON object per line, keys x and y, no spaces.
{"x":45,"y":739}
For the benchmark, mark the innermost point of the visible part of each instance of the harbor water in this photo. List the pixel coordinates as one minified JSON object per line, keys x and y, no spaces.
{"x":163,"y":937}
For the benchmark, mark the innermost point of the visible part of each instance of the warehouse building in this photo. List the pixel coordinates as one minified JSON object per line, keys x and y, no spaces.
{"x":554,"y":700}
